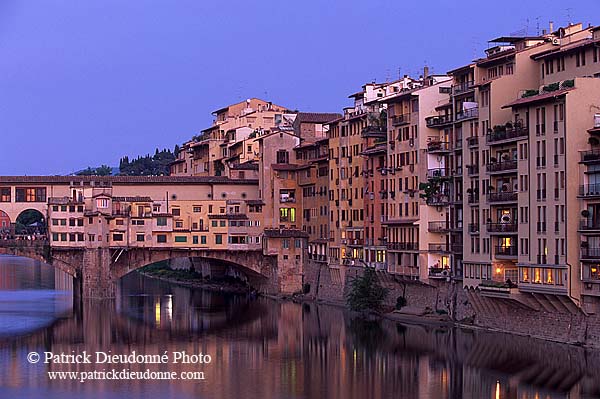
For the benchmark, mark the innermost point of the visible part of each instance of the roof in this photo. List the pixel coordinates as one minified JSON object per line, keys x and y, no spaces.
{"x":515,"y":39}
{"x":284,"y":166}
{"x":566,"y":48}
{"x":316,"y":117}
{"x":250,"y":165}
{"x":285,"y":233}
{"x":538,"y":98}
{"x":123,"y":180}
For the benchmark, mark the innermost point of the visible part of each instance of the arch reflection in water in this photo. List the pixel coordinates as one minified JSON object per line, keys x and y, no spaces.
{"x":32,"y":295}
{"x":265,"y":349}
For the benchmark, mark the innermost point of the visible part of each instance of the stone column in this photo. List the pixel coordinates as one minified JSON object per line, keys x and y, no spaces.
{"x":98,"y":282}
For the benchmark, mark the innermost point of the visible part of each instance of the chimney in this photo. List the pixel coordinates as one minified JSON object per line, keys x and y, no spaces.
{"x":551,"y":26}
{"x":425,"y":72}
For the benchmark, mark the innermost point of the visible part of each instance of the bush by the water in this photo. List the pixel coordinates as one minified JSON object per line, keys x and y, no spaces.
{"x":366,"y":294}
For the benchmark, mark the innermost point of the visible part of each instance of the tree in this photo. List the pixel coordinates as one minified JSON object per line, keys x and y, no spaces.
{"x":366,"y":294}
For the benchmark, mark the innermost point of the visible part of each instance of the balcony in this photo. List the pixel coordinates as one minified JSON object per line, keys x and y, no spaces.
{"x":463,"y":87}
{"x":438,"y":121}
{"x":436,"y":146}
{"x":439,"y":227}
{"x":374,"y":131}
{"x":317,"y":257}
{"x":467,"y":114}
{"x":507,"y":134}
{"x":508,"y":251}
{"x":437,"y":173}
{"x":589,"y":190}
{"x":473,"y":169}
{"x":501,"y":167}
{"x":502,"y":227}
{"x":402,"y":246}
{"x":439,"y":272}
{"x":439,"y":248}
{"x":355,"y":242}
{"x":402,"y":119}
{"x":473,"y":199}
{"x":589,"y":225}
{"x":473,"y":141}
{"x":474,"y":227}
{"x":506,"y":196}
{"x":438,"y":200}
{"x":590,"y":156}
{"x":588,"y":253}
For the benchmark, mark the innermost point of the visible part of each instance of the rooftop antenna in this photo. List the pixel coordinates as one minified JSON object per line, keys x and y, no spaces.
{"x":537,"y":26}
{"x":399,"y":73}
{"x":569,"y":9}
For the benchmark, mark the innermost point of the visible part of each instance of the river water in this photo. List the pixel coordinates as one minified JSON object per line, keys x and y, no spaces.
{"x":259,"y":348}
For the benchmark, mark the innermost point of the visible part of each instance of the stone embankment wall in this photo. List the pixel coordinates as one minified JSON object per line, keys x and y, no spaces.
{"x":465,"y":307}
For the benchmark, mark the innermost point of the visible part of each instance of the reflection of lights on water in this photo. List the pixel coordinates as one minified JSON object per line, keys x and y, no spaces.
{"x":157,"y":311}
{"x":169,"y":307}
{"x":497,"y":389}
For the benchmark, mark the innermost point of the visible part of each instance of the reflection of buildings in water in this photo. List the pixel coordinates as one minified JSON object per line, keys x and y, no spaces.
{"x":306,"y":351}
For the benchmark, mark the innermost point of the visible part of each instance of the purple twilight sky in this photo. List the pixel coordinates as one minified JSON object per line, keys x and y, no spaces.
{"x":85,"y":82}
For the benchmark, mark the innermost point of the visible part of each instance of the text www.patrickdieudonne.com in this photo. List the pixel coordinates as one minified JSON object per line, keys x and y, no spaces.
{"x":124,"y":374}
{"x":121,"y":373}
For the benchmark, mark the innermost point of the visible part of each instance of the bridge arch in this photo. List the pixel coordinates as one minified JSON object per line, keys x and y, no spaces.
{"x":31,"y":221}
{"x":260,"y":270}
{"x":5,"y":223}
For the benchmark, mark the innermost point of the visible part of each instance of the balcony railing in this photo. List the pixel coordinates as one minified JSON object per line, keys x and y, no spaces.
{"x":501,"y":166}
{"x":472,"y":199}
{"x":467,"y":114}
{"x":438,"y":146}
{"x":439,"y":227}
{"x":506,"y":196}
{"x":589,"y":224}
{"x":438,"y":200}
{"x":463,"y":87}
{"x":437,"y":173}
{"x":472,"y":141}
{"x":473,"y":169}
{"x":590,"y":253}
{"x":589,"y":190}
{"x":590,"y":155}
{"x":502,"y":227}
{"x":400,"y":119}
{"x":439,"y":272}
{"x":439,"y":247}
{"x":437,"y":121}
{"x":403,"y":246}
{"x":514,"y":133}
{"x":508,"y":250}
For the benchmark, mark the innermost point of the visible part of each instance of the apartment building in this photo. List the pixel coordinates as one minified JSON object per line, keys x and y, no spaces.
{"x":416,"y":190}
{"x":349,"y":136}
{"x":228,"y":146}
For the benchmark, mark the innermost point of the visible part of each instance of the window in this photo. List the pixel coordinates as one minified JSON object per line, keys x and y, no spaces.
{"x":117,"y":237}
{"x":283,"y":156}
{"x":218,"y":238}
{"x":140,"y":237}
{"x":35,"y":194}
{"x":214,"y":223}
{"x":176,"y":211}
{"x":195,"y":240}
{"x":180,"y":239}
{"x":102,"y":203}
{"x":197,"y":209}
{"x":5,"y":194}
{"x":161,"y":238}
{"x":202,"y":239}
{"x":161,"y":221}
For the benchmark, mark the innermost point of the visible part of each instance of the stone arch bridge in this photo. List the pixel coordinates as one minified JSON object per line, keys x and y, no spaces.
{"x":95,"y":271}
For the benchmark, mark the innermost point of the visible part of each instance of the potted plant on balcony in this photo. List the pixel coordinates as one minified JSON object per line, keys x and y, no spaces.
{"x":493,"y":159}
{"x":505,"y":157}
{"x":508,"y":125}
{"x":504,"y":188}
